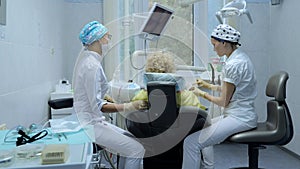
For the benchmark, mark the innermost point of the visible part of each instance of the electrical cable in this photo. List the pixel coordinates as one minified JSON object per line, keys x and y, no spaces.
{"x":107,"y":158}
{"x":24,"y":139}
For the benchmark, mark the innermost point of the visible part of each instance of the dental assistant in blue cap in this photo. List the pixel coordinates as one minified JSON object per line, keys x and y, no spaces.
{"x":237,"y":94}
{"x":90,"y":86}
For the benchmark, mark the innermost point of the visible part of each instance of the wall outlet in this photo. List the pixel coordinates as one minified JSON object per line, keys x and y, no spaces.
{"x":2,"y":12}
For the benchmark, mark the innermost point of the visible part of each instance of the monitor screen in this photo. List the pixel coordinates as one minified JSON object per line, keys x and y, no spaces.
{"x":156,"y":21}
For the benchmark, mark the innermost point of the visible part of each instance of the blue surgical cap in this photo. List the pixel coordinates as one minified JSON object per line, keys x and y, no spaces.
{"x":92,"y":32}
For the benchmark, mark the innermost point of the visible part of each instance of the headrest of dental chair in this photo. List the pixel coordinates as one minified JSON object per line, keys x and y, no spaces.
{"x":276,"y":86}
{"x":167,"y":77}
{"x":161,"y":83}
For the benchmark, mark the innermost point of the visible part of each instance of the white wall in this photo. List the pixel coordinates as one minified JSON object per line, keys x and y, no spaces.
{"x":31,"y":59}
{"x":38,"y":46}
{"x":272,"y":42}
{"x":76,"y":16}
{"x":255,"y":41}
{"x":284,"y":55}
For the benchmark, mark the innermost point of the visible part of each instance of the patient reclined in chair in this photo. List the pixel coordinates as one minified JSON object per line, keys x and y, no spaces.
{"x":167,"y":101}
{"x":173,"y":114}
{"x":162,"y":128}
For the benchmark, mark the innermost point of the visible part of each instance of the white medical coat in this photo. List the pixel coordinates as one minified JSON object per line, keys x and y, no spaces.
{"x":90,"y":84}
{"x":239,"y":71}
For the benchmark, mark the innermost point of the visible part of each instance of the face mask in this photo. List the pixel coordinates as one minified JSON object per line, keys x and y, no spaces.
{"x":105,"y":47}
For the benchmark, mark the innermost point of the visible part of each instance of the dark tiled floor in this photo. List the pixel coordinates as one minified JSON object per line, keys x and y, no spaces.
{"x":236,"y":155}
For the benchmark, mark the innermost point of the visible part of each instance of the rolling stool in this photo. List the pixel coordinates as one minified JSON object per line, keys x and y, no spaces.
{"x":98,"y":154}
{"x":277,"y":129}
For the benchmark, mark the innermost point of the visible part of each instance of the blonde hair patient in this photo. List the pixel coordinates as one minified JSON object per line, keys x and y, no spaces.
{"x":160,"y":62}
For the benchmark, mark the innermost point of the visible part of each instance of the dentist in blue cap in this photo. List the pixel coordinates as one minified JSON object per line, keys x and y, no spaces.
{"x":90,"y":86}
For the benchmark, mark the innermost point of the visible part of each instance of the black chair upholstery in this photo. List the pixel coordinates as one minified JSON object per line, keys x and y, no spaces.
{"x":61,"y":103}
{"x":163,"y":124}
{"x":160,"y":98}
{"x":278,"y":127}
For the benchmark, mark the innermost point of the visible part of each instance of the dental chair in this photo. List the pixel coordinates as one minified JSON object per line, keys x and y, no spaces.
{"x":277,"y":129}
{"x":162,"y":128}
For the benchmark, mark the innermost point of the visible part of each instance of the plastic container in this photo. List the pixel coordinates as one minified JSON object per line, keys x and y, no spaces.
{"x":123,"y":92}
{"x":29,"y":151}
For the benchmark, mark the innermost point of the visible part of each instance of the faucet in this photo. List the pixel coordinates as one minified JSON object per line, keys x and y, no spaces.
{"x":219,"y":80}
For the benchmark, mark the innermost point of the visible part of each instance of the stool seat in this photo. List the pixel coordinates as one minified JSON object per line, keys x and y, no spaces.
{"x":264,"y":133}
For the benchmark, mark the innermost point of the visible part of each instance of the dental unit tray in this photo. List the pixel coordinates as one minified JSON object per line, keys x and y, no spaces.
{"x":234,"y":8}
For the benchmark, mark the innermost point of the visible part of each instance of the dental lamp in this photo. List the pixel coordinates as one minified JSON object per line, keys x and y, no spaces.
{"x":275,"y":2}
{"x":186,"y":3}
{"x":233,"y":8}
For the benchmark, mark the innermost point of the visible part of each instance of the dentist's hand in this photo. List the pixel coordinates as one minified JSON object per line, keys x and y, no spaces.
{"x":202,"y":83}
{"x":198,"y":92}
{"x":135,"y":105}
{"x":108,"y":98}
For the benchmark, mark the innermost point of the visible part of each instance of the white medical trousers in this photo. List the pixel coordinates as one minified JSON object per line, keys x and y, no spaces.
{"x":218,"y":131}
{"x":113,"y":139}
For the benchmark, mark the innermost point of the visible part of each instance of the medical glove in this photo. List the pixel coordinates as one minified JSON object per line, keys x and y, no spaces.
{"x":198,"y":92}
{"x":202,"y":83}
{"x":135,"y":105}
{"x":108,"y":98}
